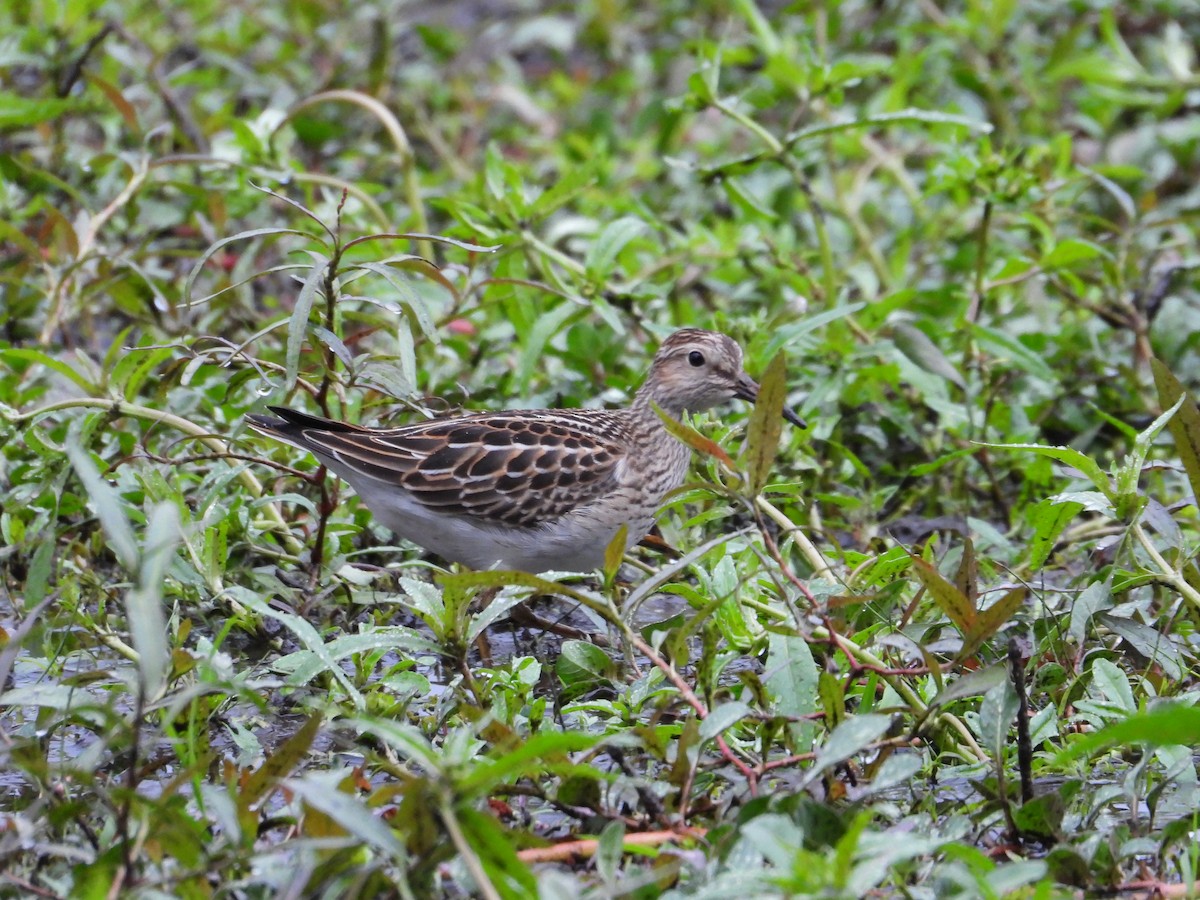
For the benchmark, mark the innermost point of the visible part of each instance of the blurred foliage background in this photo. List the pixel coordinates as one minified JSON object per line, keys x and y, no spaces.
{"x":970,"y":228}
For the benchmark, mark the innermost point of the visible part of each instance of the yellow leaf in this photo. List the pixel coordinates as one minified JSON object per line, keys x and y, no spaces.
{"x":693,"y":438}
{"x":949,"y":599}
{"x":615,"y":551}
{"x":1184,"y":425}
{"x":991,"y":620}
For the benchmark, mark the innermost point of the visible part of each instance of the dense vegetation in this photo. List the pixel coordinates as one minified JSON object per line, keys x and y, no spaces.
{"x":959,"y":238}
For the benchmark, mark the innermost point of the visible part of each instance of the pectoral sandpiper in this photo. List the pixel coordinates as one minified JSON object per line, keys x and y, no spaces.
{"x":530,"y":489}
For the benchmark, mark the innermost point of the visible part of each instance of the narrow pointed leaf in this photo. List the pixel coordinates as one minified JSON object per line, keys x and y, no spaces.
{"x":924,"y":353}
{"x":766,"y":424}
{"x":949,"y":599}
{"x":1073,"y":458}
{"x":991,"y":620}
{"x":216,"y":247}
{"x":1184,"y":426}
{"x":609,"y":243}
{"x":281,"y":762}
{"x":144,"y":602}
{"x":37,"y":356}
{"x":298,"y":322}
{"x":852,"y":736}
{"x":996,"y":715}
{"x":723,"y":718}
{"x":966,"y":579}
{"x":1165,"y":725}
{"x":1129,"y":473}
{"x":615,"y":551}
{"x":970,"y":685}
{"x":693,"y":438}
{"x":107,"y":502}
{"x":348,"y":812}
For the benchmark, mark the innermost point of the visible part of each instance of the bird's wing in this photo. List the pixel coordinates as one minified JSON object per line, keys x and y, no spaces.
{"x":522,"y":467}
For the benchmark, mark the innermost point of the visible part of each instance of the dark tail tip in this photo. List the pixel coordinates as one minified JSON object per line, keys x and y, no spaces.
{"x":292,"y":422}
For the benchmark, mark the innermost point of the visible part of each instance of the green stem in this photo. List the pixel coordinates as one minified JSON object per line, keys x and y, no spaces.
{"x":820,"y":566}
{"x":773,"y":143}
{"x":558,"y":256}
{"x":468,"y":856}
{"x":1169,"y":574}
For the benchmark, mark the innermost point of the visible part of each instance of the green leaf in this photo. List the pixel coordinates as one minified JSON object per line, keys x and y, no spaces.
{"x":833,"y":698}
{"x":924,"y":353}
{"x":996,"y":715}
{"x":1004,"y":346}
{"x":582,"y":663}
{"x":409,"y":296}
{"x":408,"y":740}
{"x":692,"y":437}
{"x":308,"y":636}
{"x":602,"y":255}
{"x":1113,"y":684}
{"x":298,"y":322}
{"x":1166,"y":725}
{"x":1095,"y":597}
{"x":610,"y":850}
{"x":1073,"y":458}
{"x":578,"y":178}
{"x":792,"y":676}
{"x":742,"y":196}
{"x":1070,"y":253}
{"x":281,"y":761}
{"x":9,"y":354}
{"x":216,"y":248}
{"x":499,"y":607}
{"x":723,"y":718}
{"x":1118,"y":193}
{"x":614,"y":553}
{"x":493,"y":843}
{"x":303,"y":665}
{"x":135,"y":366}
{"x":1042,"y":816}
{"x":884,"y":568}
{"x":768,"y":41}
{"x":424,"y":599}
{"x":1048,"y":518}
{"x":925,"y":116}
{"x":348,"y":812}
{"x":852,"y":736}
{"x":735,"y":623}
{"x":21,"y":111}
{"x":107,"y":502}
{"x":514,"y":763}
{"x":766,"y":424}
{"x":1129,"y":473}
{"x":791,"y":334}
{"x":970,"y":685}
{"x":1092,"y":501}
{"x":144,"y":602}
{"x":1149,"y":642}
{"x":40,"y":567}
{"x":534,"y":341}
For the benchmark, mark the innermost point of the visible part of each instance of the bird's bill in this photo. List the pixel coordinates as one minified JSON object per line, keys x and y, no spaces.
{"x":747,"y":389}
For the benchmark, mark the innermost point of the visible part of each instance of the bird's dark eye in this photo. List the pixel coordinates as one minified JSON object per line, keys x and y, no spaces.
{"x":696,"y":358}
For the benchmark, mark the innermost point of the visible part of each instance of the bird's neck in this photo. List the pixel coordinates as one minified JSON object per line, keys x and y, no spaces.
{"x":645,"y":400}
